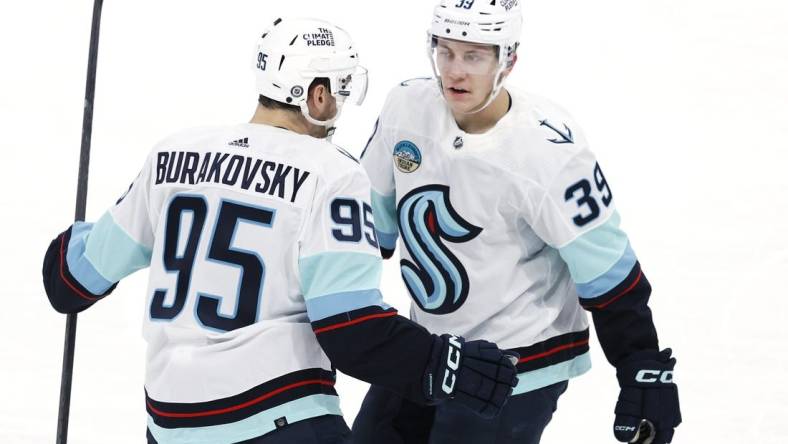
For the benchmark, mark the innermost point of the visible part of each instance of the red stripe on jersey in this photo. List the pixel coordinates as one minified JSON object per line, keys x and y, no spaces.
{"x":355,"y":321}
{"x":242,"y":405}
{"x":553,"y":351}
{"x":620,"y":295}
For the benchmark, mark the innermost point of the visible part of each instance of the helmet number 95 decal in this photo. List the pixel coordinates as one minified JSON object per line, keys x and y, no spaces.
{"x":262,"y":61}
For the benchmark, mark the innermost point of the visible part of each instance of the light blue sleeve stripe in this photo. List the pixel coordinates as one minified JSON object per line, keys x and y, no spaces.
{"x":251,"y":427}
{"x":384,"y":210}
{"x":78,"y":264}
{"x":113,"y":253}
{"x":594,"y":253}
{"x":611,"y":278}
{"x":339,"y":272}
{"x":386,"y":240}
{"x":332,"y":304}
{"x":563,"y":371}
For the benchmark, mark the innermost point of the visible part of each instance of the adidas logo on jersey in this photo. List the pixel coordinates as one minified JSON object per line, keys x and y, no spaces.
{"x":243,"y":143}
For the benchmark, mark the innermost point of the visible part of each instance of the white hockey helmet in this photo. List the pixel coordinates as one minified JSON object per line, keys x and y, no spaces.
{"x":487,"y":22}
{"x":294,"y":52}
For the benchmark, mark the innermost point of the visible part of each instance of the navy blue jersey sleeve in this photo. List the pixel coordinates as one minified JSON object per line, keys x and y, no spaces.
{"x":376,"y":345}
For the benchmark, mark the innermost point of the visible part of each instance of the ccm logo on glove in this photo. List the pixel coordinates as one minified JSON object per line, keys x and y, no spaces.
{"x":619,"y":428}
{"x":452,"y":364}
{"x":651,"y":376}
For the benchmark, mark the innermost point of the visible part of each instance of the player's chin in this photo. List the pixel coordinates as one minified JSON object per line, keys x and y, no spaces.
{"x":456,"y":101}
{"x":463,"y":105}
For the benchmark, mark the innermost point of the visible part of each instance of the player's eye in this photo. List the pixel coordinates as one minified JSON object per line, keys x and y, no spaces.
{"x":477,"y":58}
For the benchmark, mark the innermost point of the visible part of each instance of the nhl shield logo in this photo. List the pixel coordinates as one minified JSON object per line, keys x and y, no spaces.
{"x":296,"y":91}
{"x":407,"y":156}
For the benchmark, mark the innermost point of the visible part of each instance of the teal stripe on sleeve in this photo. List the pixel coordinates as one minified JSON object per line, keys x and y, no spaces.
{"x":113,"y":252}
{"x":322,"y":307}
{"x":79,"y":266}
{"x":386,"y":240}
{"x":384,"y":210}
{"x":339,"y":272}
{"x":595,"y":252}
{"x":610,"y":279}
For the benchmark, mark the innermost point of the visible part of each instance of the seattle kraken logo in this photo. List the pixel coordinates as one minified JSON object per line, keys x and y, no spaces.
{"x":437,"y":280}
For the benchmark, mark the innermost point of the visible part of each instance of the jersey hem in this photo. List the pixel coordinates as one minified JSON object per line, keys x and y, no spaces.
{"x":534,"y":380}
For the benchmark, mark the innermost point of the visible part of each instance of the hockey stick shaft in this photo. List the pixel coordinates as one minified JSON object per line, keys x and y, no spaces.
{"x":79,"y":215}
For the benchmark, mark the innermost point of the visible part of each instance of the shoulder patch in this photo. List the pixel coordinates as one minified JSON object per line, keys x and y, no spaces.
{"x":407,"y":156}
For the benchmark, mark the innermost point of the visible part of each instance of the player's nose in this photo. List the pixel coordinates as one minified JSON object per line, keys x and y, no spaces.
{"x":455,"y":71}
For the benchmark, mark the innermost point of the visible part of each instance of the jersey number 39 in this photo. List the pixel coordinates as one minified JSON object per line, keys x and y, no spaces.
{"x":581,"y":193}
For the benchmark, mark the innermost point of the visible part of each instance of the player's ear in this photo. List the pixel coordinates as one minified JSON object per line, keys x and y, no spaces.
{"x":320,"y":94}
{"x":319,"y":99}
{"x":314,"y":101}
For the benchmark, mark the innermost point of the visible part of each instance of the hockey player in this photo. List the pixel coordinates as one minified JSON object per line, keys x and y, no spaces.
{"x":265,"y":268}
{"x":507,"y":230}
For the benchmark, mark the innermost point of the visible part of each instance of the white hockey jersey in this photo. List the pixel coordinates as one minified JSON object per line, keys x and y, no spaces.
{"x":499,"y":232}
{"x":250,"y":232}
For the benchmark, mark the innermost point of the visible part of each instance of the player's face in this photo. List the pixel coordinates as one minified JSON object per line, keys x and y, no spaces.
{"x":467,"y":72}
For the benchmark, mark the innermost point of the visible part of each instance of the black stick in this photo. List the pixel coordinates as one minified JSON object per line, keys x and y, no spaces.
{"x":79,"y":215}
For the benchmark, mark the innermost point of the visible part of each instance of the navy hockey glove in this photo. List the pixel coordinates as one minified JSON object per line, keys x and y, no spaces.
{"x":475,"y":373}
{"x":648,"y":405}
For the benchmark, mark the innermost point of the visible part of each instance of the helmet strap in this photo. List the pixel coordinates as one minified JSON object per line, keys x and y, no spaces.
{"x":496,"y":89}
{"x":328,"y":124}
